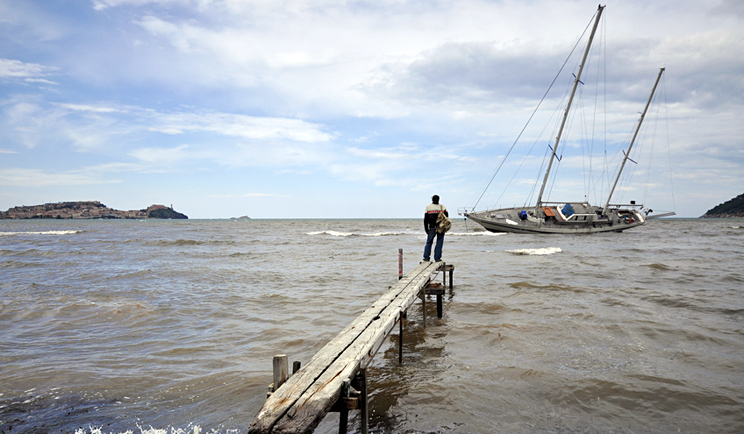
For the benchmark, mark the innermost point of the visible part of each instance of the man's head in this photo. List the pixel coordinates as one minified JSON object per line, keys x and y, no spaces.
{"x":435,"y":199}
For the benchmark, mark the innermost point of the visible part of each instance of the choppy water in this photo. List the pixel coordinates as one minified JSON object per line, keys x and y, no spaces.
{"x":170,"y":326}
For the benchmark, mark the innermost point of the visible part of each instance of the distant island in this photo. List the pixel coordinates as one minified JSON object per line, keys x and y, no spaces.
{"x":734,"y":208}
{"x":88,"y":210}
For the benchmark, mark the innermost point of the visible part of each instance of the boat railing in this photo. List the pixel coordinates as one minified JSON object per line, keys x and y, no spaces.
{"x":564,"y":202}
{"x":465,"y":211}
{"x":576,"y":216}
{"x":632,"y":204}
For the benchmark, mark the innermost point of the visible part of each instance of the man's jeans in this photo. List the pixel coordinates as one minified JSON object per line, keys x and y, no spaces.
{"x":437,"y":248}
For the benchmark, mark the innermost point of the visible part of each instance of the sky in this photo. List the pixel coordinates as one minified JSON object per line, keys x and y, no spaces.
{"x":357,"y":108}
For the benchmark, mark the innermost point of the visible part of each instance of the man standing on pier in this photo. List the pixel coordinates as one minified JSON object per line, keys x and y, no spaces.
{"x":430,"y":226}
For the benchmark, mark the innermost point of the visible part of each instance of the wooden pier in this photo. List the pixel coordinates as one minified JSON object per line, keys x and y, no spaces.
{"x":335,"y":378}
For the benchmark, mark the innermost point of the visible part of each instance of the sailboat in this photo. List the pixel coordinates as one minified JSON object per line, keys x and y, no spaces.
{"x":578,"y":217}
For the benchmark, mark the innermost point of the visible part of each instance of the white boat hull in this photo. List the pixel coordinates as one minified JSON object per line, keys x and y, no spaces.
{"x":549,"y":220}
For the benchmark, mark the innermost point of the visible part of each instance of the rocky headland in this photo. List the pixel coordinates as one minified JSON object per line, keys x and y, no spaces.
{"x":88,"y":210}
{"x":733,"y":208}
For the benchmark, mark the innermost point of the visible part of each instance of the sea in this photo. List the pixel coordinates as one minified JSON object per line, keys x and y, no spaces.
{"x":170,"y":326}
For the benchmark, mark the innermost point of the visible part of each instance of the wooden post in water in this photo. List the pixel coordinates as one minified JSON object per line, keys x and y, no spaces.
{"x":435,"y":289}
{"x":439,"y":305}
{"x":400,"y":338}
{"x":400,"y":264}
{"x":343,"y":419}
{"x":281,"y":370}
{"x":423,"y":306}
{"x":361,"y":386}
{"x":402,"y":313}
{"x":451,"y":269}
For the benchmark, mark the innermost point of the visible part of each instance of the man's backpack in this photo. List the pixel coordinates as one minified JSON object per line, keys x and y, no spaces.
{"x":444,"y":224}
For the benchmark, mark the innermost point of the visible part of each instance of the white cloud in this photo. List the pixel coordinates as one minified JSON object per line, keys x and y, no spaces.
{"x":161,"y":156}
{"x":324,"y":90}
{"x":89,"y":108}
{"x":30,"y":178}
{"x":380,"y":153}
{"x":10,"y":68}
{"x":101,"y":125}
{"x":41,"y":80}
{"x":101,"y":5}
{"x":244,"y":195}
{"x":249,"y":127}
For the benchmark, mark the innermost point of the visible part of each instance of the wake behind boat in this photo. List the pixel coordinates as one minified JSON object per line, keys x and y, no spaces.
{"x":567,"y":217}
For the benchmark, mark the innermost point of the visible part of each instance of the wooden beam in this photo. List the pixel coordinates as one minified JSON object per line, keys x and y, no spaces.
{"x":306,"y":397}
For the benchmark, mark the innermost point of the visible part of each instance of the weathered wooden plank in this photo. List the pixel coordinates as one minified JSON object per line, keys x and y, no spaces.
{"x":315,"y":403}
{"x":317,"y":400}
{"x":324,"y":391}
{"x":319,"y":381}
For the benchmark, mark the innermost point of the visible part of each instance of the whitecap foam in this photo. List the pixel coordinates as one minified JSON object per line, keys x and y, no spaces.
{"x":191,"y":429}
{"x":332,"y":233}
{"x":354,"y":234}
{"x":476,"y":234}
{"x":41,"y":233}
{"x":536,"y":252}
{"x":387,"y":234}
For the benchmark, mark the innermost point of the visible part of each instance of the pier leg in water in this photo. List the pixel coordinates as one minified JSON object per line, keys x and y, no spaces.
{"x":400,"y":337}
{"x":360,"y":384}
{"x":281,"y":370}
{"x":400,"y":264}
{"x":343,"y":419}
{"x":423,"y":305}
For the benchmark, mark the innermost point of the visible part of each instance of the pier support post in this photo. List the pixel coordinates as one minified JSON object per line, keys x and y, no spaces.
{"x":400,"y":337}
{"x":400,"y":264}
{"x":448,"y":268}
{"x":434,"y":289}
{"x":281,"y":370}
{"x":353,"y":397}
{"x":423,"y":305}
{"x":343,"y":419}
{"x":360,"y":384}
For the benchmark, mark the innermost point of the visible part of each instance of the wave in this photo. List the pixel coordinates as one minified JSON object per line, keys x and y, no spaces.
{"x":355,"y":234}
{"x":239,"y":254}
{"x":386,"y":234}
{"x":18,"y":264}
{"x":191,"y":429}
{"x":69,"y":232}
{"x":525,"y":285}
{"x":476,"y":234}
{"x":659,"y":267}
{"x":188,"y":242}
{"x":536,"y":252}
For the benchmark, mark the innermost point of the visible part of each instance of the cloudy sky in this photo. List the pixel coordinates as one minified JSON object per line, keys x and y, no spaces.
{"x":354,"y":108}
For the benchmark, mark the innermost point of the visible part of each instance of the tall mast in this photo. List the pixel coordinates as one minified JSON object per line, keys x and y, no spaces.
{"x":568,"y":107}
{"x":638,"y":128}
